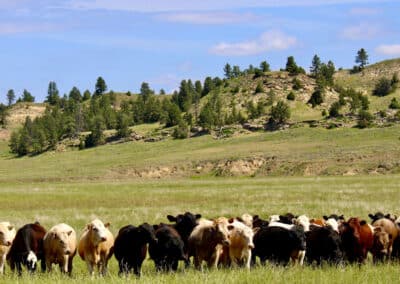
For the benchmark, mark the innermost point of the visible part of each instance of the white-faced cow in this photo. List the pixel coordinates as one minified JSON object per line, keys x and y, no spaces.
{"x":96,"y":246}
{"x":7,"y":235}
{"x":27,"y":248}
{"x":59,"y":245}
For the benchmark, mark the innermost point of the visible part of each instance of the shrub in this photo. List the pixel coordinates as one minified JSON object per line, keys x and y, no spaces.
{"x":181,"y":131}
{"x":334,"y":109}
{"x":316,"y":98}
{"x":383,"y":87}
{"x":291,"y":96}
{"x":297,"y":85}
{"x":259,"y":88}
{"x":280,"y":113}
{"x":365,"y":119}
{"x":394,"y":104}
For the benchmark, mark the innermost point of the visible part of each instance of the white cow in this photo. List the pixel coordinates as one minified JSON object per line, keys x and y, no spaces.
{"x":96,"y":246}
{"x":7,"y":235}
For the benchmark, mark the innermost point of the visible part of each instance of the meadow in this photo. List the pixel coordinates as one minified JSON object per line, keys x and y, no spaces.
{"x":76,"y":186}
{"x":137,"y":201}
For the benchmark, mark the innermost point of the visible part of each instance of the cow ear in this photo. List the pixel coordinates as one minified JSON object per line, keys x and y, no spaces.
{"x":371,"y":216}
{"x":230,"y":227}
{"x":89,"y":226}
{"x":171,"y":218}
{"x":107,"y":225}
{"x":325,"y":217}
{"x":198,"y":216}
{"x":11,"y":227}
{"x":255,"y":230}
{"x":363,"y":222}
{"x":255,"y":217}
{"x":230,"y":220}
{"x":69,"y":233}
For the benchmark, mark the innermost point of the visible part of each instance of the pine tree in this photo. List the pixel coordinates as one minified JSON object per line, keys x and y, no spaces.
{"x":100,"y":87}
{"x":362,"y":58}
{"x":264,"y":66}
{"x":228,"y":71}
{"x":10,"y":97}
{"x":315,"y":66}
{"x":53,"y":97}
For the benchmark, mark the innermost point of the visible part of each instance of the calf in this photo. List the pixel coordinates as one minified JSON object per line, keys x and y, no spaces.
{"x":7,"y":235}
{"x":381,"y":246}
{"x":59,"y":245}
{"x":278,"y":245}
{"x":323,"y":245}
{"x":204,"y":241}
{"x":96,"y":246}
{"x":238,"y":253}
{"x":27,"y":248}
{"x":130,"y":247}
{"x":357,"y":239}
{"x":390,"y":228}
{"x":168,"y":250}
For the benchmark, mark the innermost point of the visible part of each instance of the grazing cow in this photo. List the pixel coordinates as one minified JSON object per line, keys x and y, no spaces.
{"x":27,"y":248}
{"x":380,"y":215}
{"x":323,"y":245}
{"x":59,"y":246}
{"x":96,"y":246}
{"x":238,"y":253}
{"x":381,"y":247}
{"x":278,"y":245}
{"x":7,"y":235}
{"x":168,"y":250}
{"x":357,"y":239}
{"x":204,"y":240}
{"x":184,"y":225}
{"x":389,"y":227}
{"x":130,"y":247}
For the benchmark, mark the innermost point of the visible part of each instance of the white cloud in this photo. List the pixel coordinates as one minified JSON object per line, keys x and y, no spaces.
{"x":211,"y":18}
{"x":196,"y":5}
{"x":389,"y":49}
{"x":268,"y":41}
{"x":362,"y":31}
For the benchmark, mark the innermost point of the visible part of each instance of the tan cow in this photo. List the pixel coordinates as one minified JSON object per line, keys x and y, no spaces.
{"x":7,"y":235}
{"x":205,"y":239}
{"x":238,"y":253}
{"x":59,"y":246}
{"x":96,"y":246}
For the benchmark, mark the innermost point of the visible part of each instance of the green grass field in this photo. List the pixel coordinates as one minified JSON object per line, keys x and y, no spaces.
{"x":76,"y":186}
{"x":134,"y":202}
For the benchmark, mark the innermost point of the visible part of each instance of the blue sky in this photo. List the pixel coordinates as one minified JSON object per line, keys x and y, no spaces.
{"x":161,"y":42}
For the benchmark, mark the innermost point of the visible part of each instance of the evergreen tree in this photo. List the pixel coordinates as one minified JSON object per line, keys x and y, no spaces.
{"x":96,"y":137}
{"x":291,"y":66}
{"x":145,"y":91}
{"x":236,"y":71}
{"x":172,"y":114}
{"x":317,"y":97}
{"x":208,"y":86}
{"x":162,"y":92}
{"x":100,"y":87}
{"x":10,"y":97}
{"x":53,"y":97}
{"x":315,"y":66}
{"x":228,"y":71}
{"x":27,"y":97}
{"x":75,"y":95}
{"x":86,"y":95}
{"x":280,"y":113}
{"x":362,"y":58}
{"x":122,"y":128}
{"x":264,"y":66}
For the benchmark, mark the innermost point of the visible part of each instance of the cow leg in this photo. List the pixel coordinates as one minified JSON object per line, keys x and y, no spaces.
{"x":19,"y":268}
{"x":43,"y":264}
{"x":90,"y":268}
{"x":48,"y":265}
{"x":248,"y":259}
{"x":2,"y":261}
{"x":70,"y":258}
{"x":137,"y":268}
{"x":197,"y":262}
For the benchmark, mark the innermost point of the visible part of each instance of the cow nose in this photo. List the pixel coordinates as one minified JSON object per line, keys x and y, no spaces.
{"x":8,"y":244}
{"x":226,"y":242}
{"x":251,"y":246}
{"x":103,"y":239}
{"x":67,"y":252}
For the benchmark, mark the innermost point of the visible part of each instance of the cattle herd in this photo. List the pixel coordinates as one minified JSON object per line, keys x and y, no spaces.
{"x":222,"y":242}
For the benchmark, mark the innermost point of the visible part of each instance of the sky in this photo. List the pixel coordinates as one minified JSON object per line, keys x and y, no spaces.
{"x":162,"y":42}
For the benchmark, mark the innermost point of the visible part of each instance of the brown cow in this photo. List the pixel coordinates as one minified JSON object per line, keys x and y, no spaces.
{"x":205,"y":239}
{"x":388,"y":226}
{"x":59,"y":245}
{"x":96,"y":246}
{"x":381,"y":247}
{"x":357,"y":239}
{"x":7,"y":235}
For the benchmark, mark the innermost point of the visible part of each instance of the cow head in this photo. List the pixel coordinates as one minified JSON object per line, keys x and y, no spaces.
{"x":98,"y":231}
{"x":298,"y":237}
{"x":148,"y":231}
{"x":258,"y":222}
{"x":339,"y":218}
{"x":185,"y":223}
{"x":376,"y":216}
{"x":7,"y":234}
{"x":303,"y":221}
{"x":63,"y":239}
{"x":221,"y":228}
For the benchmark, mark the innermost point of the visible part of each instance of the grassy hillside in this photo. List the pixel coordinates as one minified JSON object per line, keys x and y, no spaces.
{"x":299,"y":151}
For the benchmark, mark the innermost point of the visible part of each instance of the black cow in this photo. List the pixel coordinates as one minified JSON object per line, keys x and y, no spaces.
{"x":323,"y":244}
{"x":168,"y":250}
{"x":278,"y":244}
{"x":130,"y":247}
{"x":258,"y":222}
{"x":184,"y":225}
{"x":27,"y":248}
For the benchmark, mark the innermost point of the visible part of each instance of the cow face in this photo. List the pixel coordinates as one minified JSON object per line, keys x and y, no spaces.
{"x":185,"y":223}
{"x":7,"y":234}
{"x":376,"y":216}
{"x":149,"y":232}
{"x":31,"y":261}
{"x":299,"y":237}
{"x":222,"y":231}
{"x":63,"y":240}
{"x":303,"y":221}
{"x":98,"y":231}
